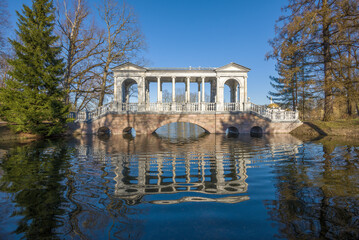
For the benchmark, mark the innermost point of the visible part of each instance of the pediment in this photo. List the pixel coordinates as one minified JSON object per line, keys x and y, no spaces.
{"x":233,"y":67}
{"x":128,"y":67}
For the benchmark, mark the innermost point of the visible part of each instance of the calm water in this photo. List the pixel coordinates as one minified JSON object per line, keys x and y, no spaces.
{"x":180,"y":185}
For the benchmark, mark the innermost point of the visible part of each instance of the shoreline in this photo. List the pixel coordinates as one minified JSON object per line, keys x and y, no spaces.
{"x":345,"y":128}
{"x":7,"y":135}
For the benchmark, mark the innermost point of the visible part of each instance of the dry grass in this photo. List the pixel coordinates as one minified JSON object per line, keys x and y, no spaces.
{"x":332,"y":128}
{"x":338,"y":124}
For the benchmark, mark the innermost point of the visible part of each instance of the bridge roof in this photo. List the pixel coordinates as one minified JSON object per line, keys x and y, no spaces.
{"x":231,"y":67}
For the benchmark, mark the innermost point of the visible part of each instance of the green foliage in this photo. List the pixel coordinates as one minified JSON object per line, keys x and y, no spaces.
{"x":32,"y":98}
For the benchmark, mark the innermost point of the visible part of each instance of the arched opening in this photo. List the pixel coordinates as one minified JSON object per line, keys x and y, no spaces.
{"x":181,"y":130}
{"x":256,"y":131}
{"x":104,"y":133}
{"x":129,"y":132}
{"x":231,"y":91}
{"x":130,"y":91}
{"x":232,"y":132}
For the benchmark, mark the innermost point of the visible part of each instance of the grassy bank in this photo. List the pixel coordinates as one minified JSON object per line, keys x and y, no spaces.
{"x":332,"y":128}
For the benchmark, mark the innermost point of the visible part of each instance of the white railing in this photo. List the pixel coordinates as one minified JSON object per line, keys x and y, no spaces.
{"x":209,"y":107}
{"x":231,"y":107}
{"x":278,"y":115}
{"x":274,"y":114}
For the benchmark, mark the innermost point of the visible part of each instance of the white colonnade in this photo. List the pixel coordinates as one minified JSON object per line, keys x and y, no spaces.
{"x":233,"y":75}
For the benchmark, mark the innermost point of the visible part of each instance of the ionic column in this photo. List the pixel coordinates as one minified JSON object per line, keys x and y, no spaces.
{"x":203,"y":90}
{"x":214,"y":90}
{"x":219,"y":94}
{"x":173,"y":89}
{"x":199,"y":92}
{"x":159,"y":99}
{"x":243,"y":94}
{"x":236,"y":93}
{"x":142,"y":88}
{"x":233,"y":92}
{"x":188,"y":90}
{"x":118,"y":90}
{"x":147,"y":91}
{"x":119,"y":93}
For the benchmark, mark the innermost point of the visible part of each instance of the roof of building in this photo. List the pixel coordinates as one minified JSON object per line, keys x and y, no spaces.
{"x":128,"y":66}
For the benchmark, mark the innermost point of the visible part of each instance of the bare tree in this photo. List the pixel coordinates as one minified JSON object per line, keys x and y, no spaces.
{"x":81,"y":42}
{"x":123,"y":42}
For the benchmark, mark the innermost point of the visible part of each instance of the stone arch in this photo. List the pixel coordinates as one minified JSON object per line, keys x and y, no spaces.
{"x":234,"y":87}
{"x":232,"y":131}
{"x":185,"y":120}
{"x":128,"y":90}
{"x":127,"y":129}
{"x":256,"y":131}
{"x":104,"y":130}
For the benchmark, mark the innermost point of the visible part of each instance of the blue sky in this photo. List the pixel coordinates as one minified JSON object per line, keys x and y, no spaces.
{"x":206,"y":33}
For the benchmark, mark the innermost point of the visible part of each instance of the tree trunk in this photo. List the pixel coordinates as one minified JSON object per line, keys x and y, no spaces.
{"x":67,"y":76}
{"x":328,"y":91}
{"x":103,"y":86}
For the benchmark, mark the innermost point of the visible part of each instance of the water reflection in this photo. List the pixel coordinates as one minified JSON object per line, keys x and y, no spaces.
{"x":147,"y":186}
{"x":33,"y":175}
{"x":317,"y":195}
{"x":209,"y":164}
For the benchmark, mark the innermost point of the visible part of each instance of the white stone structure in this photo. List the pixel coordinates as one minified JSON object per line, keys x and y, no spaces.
{"x":233,"y":75}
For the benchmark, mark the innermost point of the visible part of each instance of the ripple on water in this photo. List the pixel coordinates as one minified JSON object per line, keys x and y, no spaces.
{"x":180,"y":188}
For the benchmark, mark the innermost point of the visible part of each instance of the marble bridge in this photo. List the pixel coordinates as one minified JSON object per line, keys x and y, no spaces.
{"x":208,"y":110}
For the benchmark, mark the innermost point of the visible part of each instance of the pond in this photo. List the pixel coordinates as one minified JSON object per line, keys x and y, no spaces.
{"x":180,"y":186}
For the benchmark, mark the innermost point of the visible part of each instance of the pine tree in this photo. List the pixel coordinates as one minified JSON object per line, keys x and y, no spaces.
{"x":32,"y":99}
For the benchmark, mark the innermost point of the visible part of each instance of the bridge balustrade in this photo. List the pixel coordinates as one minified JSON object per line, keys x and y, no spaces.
{"x":232,"y":106}
{"x":203,"y":107}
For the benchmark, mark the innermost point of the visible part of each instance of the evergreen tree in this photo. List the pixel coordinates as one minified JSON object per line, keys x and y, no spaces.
{"x":288,"y":68}
{"x":32,"y":99}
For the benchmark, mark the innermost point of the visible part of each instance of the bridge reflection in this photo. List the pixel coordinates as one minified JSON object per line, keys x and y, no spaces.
{"x":209,"y":168}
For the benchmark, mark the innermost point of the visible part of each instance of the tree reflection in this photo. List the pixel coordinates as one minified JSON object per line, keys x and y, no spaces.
{"x":34,"y":175}
{"x":318,"y":199}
